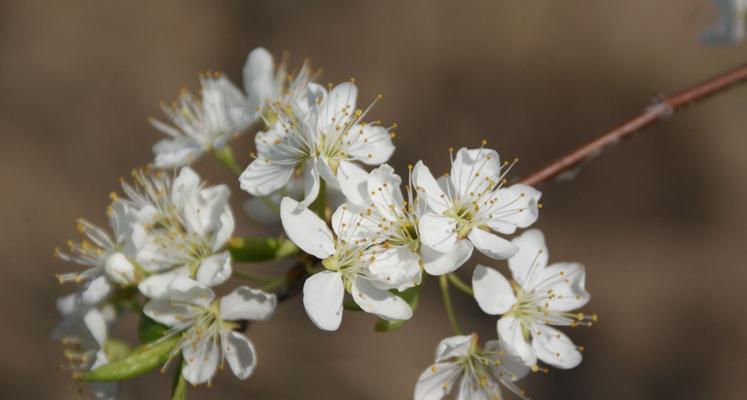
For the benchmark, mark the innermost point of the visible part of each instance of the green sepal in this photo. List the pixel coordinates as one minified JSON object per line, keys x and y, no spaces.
{"x":142,"y":359}
{"x":116,"y":349}
{"x":149,"y":330}
{"x":351,"y":305}
{"x":411,"y":296}
{"x":259,"y":249}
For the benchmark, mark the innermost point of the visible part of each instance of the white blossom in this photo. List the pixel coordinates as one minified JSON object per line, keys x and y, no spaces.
{"x":477,"y":372}
{"x":107,"y":256}
{"x":202,"y":124}
{"x":314,"y":137}
{"x":187,"y":226}
{"x":209,"y":326}
{"x":470,"y":205}
{"x":539,"y":296}
{"x":84,"y":331}
{"x":353,"y":263}
{"x":731,"y":25}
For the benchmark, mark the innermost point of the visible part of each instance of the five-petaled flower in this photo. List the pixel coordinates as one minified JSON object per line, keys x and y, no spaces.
{"x":539,"y":296}
{"x":208,"y":326}
{"x":470,"y":204}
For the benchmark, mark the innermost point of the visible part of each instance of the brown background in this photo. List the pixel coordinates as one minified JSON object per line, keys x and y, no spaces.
{"x":659,"y":221}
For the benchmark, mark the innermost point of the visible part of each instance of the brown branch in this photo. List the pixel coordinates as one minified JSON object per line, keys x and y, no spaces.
{"x":661,"y":109}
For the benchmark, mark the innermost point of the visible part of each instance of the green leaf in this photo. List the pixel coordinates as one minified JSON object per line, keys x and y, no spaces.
{"x":411,"y":296}
{"x":351,"y":305}
{"x":149,"y":330}
{"x":179,"y":385}
{"x":142,"y":359}
{"x":259,"y":249}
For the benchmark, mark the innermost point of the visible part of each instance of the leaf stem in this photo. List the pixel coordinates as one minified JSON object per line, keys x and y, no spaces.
{"x":225,"y":156}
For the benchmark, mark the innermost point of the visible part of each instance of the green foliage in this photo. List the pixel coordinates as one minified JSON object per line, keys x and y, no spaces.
{"x":142,"y":359}
{"x":259,"y":249}
{"x":411,"y":296}
{"x":149,"y":330}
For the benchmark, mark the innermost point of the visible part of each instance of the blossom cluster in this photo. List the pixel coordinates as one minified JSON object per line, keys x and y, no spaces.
{"x":320,"y":169}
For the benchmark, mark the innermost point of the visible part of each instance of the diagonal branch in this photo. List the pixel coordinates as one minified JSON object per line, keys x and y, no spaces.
{"x":663,"y":108}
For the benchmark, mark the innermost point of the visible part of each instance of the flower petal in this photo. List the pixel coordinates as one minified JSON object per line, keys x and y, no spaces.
{"x":156,"y":286}
{"x":383,"y":188}
{"x":338,"y":107}
{"x":379,"y":302}
{"x":396,"y":268}
{"x":443,"y":263}
{"x":239,"y":353}
{"x":369,"y":144}
{"x":426,"y":185}
{"x":214,"y":269}
{"x":264,"y":176}
{"x":174,"y":152}
{"x":437,"y":381}
{"x":167,"y":312}
{"x":259,"y":79}
{"x":201,"y":360}
{"x":474,"y":171}
{"x":189,"y":291}
{"x":311,"y":184}
{"x":531,"y":257}
{"x":306,"y":229}
{"x":512,"y":207}
{"x":96,"y":290}
{"x":454,"y":346}
{"x":492,"y":245}
{"x":511,"y":336}
{"x":566,"y":281}
{"x":554,"y":347}
{"x":247,"y":303}
{"x":437,"y":232}
{"x":510,"y":363}
{"x":322,"y":297}
{"x":493,"y":292}
{"x":352,"y":180}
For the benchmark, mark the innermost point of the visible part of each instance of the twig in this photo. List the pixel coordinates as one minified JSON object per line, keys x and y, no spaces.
{"x":663,"y":108}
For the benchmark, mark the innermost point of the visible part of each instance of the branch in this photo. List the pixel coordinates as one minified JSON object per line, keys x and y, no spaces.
{"x":663,"y":108}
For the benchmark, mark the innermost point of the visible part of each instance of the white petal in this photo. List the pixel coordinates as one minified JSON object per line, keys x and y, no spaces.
{"x":554,"y":347}
{"x":119,"y":269}
{"x":426,"y":185}
{"x":96,"y":325}
{"x":454,"y":346}
{"x":369,"y":144}
{"x":383,"y":188}
{"x":492,"y":245}
{"x":379,"y":302}
{"x":225,"y":228}
{"x":322,"y":297}
{"x":352,"y":180}
{"x":185,"y":186}
{"x":512,"y":207}
{"x":396,"y":268}
{"x":215,"y":269}
{"x":202,"y":360}
{"x":263,"y":177}
{"x":175,"y":152}
{"x":471,"y":389}
{"x":96,"y":290}
{"x":239,"y":353}
{"x":567,"y":281}
{"x":473,"y":171}
{"x":512,"y":337}
{"x":493,"y":292}
{"x":311,"y":184}
{"x":350,"y":224}
{"x":247,"y":303}
{"x":436,"y":381}
{"x":510,"y":363}
{"x":189,"y":291}
{"x":167,"y":312}
{"x":443,"y":263}
{"x":437,"y":232}
{"x":338,"y":107}
{"x":156,"y":286}
{"x":531,"y":257}
{"x":306,"y":229}
{"x":259,"y":77}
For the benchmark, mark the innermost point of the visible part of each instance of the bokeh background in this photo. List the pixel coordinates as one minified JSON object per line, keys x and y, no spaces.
{"x":659,"y":221}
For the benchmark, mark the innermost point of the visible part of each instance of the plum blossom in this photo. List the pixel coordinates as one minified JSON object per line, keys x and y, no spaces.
{"x":209,"y":326}
{"x":202,"y":124}
{"x":84,"y":332}
{"x":186,"y":227}
{"x":539,"y":296}
{"x":355,"y":264}
{"x":480,"y":372}
{"x":470,"y":205}
{"x":315,"y":137}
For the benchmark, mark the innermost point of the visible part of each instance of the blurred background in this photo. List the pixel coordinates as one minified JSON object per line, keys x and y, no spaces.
{"x":659,"y":221}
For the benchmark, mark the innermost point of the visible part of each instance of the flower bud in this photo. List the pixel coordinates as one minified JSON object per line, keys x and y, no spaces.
{"x":119,"y":269}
